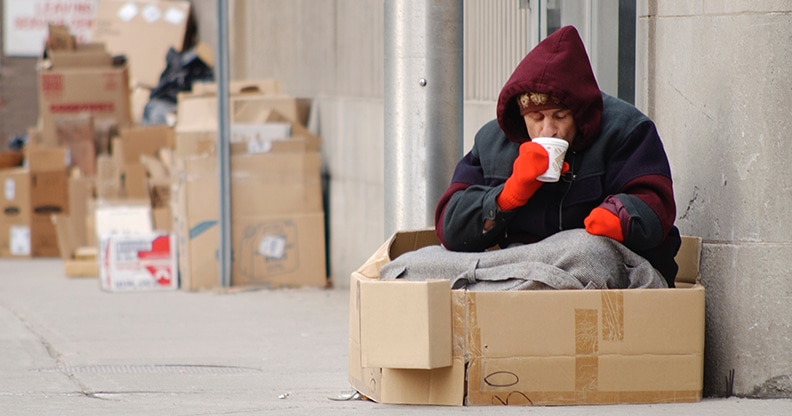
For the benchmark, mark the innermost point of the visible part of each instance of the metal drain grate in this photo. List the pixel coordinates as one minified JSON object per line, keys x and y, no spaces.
{"x":156,"y":369}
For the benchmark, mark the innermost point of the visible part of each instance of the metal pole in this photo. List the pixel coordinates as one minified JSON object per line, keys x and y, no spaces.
{"x":423,"y":107}
{"x":223,"y":146}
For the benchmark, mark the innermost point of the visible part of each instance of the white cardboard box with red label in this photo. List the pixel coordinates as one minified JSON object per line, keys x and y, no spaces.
{"x":130,"y":262}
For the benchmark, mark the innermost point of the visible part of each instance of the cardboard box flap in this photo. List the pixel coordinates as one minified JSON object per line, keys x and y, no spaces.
{"x":439,"y":386}
{"x":59,"y":38}
{"x":398,"y":244}
{"x":84,"y":55}
{"x":419,"y":338}
{"x":689,"y":258}
{"x":411,"y":241}
{"x":371,"y":267}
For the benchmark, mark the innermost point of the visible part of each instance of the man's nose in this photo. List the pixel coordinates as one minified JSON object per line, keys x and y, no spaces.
{"x":549,"y":129}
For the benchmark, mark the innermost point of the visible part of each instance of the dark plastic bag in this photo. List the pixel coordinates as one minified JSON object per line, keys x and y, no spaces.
{"x":182,"y":70}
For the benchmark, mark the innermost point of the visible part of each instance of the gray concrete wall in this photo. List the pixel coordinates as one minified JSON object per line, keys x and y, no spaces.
{"x":716,"y":78}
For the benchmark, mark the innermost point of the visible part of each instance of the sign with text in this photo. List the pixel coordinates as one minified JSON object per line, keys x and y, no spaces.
{"x":25,"y":23}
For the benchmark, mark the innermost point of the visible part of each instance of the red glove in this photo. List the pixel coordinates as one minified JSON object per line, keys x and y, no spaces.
{"x":603,"y":222}
{"x":522,"y":184}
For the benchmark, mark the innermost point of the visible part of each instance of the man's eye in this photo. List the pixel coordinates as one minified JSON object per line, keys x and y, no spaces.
{"x":561,"y":116}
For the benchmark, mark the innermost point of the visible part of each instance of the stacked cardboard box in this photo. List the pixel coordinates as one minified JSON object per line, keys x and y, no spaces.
{"x":78,"y":80}
{"x":423,"y":343}
{"x":124,"y":172}
{"x":31,"y":195}
{"x":168,"y":175}
{"x":134,"y":175}
{"x":113,"y":164}
{"x":277,"y":218}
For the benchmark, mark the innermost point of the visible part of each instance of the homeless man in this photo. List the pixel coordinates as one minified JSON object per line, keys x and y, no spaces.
{"x":608,"y":223}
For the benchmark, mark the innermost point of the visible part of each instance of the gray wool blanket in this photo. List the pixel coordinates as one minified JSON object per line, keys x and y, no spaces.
{"x":571,"y":259}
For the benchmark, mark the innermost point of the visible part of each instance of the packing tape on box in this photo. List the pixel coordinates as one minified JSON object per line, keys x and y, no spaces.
{"x":473,"y":332}
{"x":612,"y":315}
{"x":586,"y":350}
{"x":587,"y":337}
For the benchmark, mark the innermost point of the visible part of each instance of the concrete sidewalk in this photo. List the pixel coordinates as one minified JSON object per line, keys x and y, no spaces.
{"x":68,"y":348}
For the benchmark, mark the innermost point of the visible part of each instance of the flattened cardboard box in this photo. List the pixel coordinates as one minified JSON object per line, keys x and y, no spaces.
{"x":143,"y":31}
{"x":535,"y":347}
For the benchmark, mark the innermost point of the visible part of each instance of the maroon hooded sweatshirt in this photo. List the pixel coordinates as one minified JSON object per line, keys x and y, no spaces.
{"x":617,"y":162}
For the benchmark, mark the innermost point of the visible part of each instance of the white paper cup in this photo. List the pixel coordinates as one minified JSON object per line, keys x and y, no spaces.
{"x":556,"y":149}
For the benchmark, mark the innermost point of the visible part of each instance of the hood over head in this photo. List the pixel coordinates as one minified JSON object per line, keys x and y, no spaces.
{"x":560,"y":68}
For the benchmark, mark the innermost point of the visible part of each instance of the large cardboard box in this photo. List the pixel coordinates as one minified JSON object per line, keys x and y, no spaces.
{"x":195,"y":219}
{"x":143,"y":31}
{"x":284,"y":250}
{"x":430,"y":340}
{"x":276,"y":219}
{"x":527,"y":347}
{"x":16,"y":213}
{"x":102,"y":91}
{"x":30,"y":196}
{"x":15,"y":203}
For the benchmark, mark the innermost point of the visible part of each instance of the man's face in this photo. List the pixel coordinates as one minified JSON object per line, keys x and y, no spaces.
{"x":552,"y":122}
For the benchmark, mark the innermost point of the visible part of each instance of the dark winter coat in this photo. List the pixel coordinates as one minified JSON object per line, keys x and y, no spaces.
{"x":617,"y":162}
